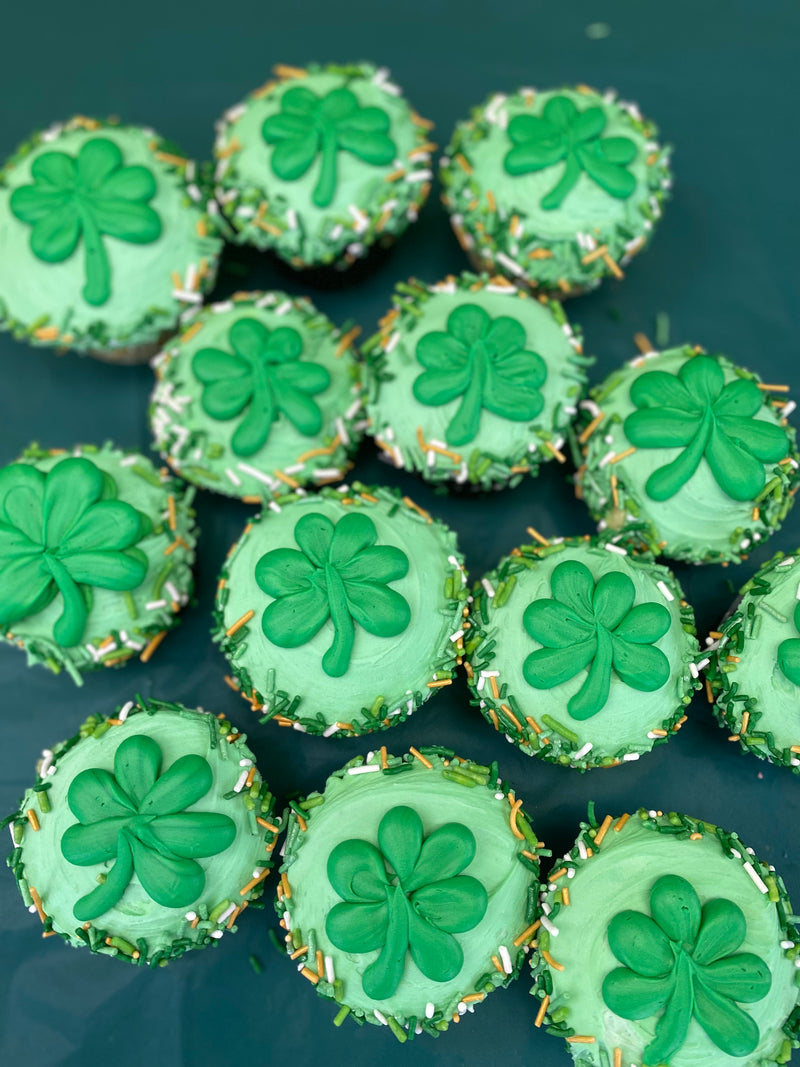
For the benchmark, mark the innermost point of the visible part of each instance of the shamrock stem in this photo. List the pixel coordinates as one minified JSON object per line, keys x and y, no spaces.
{"x":105,"y":896}
{"x":326,"y":183}
{"x":337,"y":659}
{"x":593,"y":694}
{"x":98,"y":271}
{"x":465,"y":423}
{"x":383,"y":976}
{"x":68,"y":630}
{"x":667,"y":480}
{"x":572,"y":171}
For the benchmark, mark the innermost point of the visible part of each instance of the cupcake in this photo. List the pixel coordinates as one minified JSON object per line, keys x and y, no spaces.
{"x":408,"y":891}
{"x":322,"y":163}
{"x":754,"y":669}
{"x":107,"y":240}
{"x":556,"y":189}
{"x":565,"y":638}
{"x":146,"y":835}
{"x":472,"y":381}
{"x":665,"y":941}
{"x":341,"y":613}
{"x":692,"y":446}
{"x":96,"y":549}
{"x":261,"y":392}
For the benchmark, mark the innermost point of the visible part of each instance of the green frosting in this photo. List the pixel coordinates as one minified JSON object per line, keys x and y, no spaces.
{"x":556,"y":189}
{"x":472,"y":381}
{"x":705,"y":459}
{"x":594,"y":627}
{"x":407,"y":878}
{"x":323,"y":163}
{"x":416,"y":909}
{"x":92,"y":568}
{"x":707,"y":955}
{"x":566,"y":635}
{"x":563,"y":133}
{"x":789,"y":653}
{"x":340,"y":574}
{"x":146,"y":833}
{"x":356,"y":630}
{"x":106,"y":239}
{"x":258,"y":393}
{"x":681,"y":960}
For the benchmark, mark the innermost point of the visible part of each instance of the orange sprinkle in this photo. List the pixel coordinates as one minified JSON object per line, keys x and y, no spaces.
{"x":472,"y":998}
{"x":151,"y":646}
{"x":551,"y":962}
{"x":194,"y":922}
{"x":254,"y":882}
{"x":581,"y":1039}
{"x":558,"y":874}
{"x":537,"y":536}
{"x":46,"y":333}
{"x":312,"y":976}
{"x":540,"y":1014}
{"x":202,"y":229}
{"x":267,"y":825}
{"x":614,"y":268}
{"x":320,"y":963}
{"x":418,"y":120}
{"x":331,"y":448}
{"x":621,"y":455}
{"x":301,"y":822}
{"x":659,"y":733}
{"x":415,"y":507}
{"x":418,"y":755}
{"x":493,"y":685}
{"x":396,"y":175}
{"x":37,"y":903}
{"x":490,"y":200}
{"x":715,"y":634}
{"x":463,"y":162}
{"x":745,"y":722}
{"x":534,"y":725}
{"x":250,"y":776}
{"x":585,"y":434}
{"x":371,"y":499}
{"x":619,"y":824}
{"x":345,"y":725}
{"x":529,"y":855}
{"x":596,"y":253}
{"x":232,"y":629}
{"x":114,"y":722}
{"x":695,"y":837}
{"x":527,"y":934}
{"x":565,"y":896}
{"x":33,"y":819}
{"x":173,"y":545}
{"x":52,"y":933}
{"x":283,"y":70}
{"x":493,"y":717}
{"x":498,"y":965}
{"x":172,"y":518}
{"x":177,"y":281}
{"x":540,"y":253}
{"x":709,"y":691}
{"x":510,"y":715}
{"x":234,"y":915}
{"x":252,"y":498}
{"x":617,"y":1057}
{"x":440,"y":683}
{"x":346,"y":340}
{"x":732,"y":659}
{"x":795,"y":748}
{"x":604,"y":828}
{"x":232,"y":683}
{"x":551,"y":448}
{"x":512,"y":819}
{"x":643,"y":342}
{"x":384,"y":761}
{"x":268,"y":227}
{"x":298,"y":952}
{"x":773,"y":388}
{"x":614,"y":491}
{"x":234,"y":145}
{"x":188,"y":334}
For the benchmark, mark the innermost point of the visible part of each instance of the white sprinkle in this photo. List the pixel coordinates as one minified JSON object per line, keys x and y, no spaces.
{"x":381,"y":1018}
{"x":505,"y":959}
{"x":360,"y":218}
{"x":240,"y":782}
{"x":284,"y":308}
{"x":630,"y":757}
{"x":47,"y":761}
{"x":245,"y":468}
{"x":232,"y":477}
{"x":216,"y":934}
{"x":615,"y":548}
{"x":787,"y":944}
{"x":13,"y":842}
{"x":226,"y":914}
{"x":551,"y":929}
{"x":32,"y":909}
{"x":154,"y":605}
{"x":509,"y":264}
{"x":299,"y":727}
{"x":582,"y":849}
{"x":786,"y":562}
{"x":419,"y":175}
{"x":788,"y":409}
{"x":607,"y":457}
{"x":364,"y":769}
{"x":190,"y":916}
{"x":330,"y":974}
{"x":797,"y":594}
{"x":291,"y":218}
{"x":327,"y":472}
{"x":329,"y":731}
{"x":336,"y":232}
{"x":245,"y":763}
{"x":584,"y":750}
{"x":128,"y":461}
{"x":342,"y":431}
{"x":187,"y":296}
{"x":757,"y":880}
{"x":662,"y":588}
{"x":430,"y":1008}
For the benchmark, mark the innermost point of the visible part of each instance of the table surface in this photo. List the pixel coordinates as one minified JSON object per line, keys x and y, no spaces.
{"x":720,"y":80}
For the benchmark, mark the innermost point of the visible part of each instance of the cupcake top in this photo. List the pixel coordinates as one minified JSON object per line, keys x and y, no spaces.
{"x":341,"y":613}
{"x":472,"y":381}
{"x":259,"y":393}
{"x":754,"y":669}
{"x":145,"y":835}
{"x":106,"y":237}
{"x":96,"y":548}
{"x":692,"y":445}
{"x":665,"y":941}
{"x":408,"y":889}
{"x":557,"y":189}
{"x":322,"y":162}
{"x":566,"y":638}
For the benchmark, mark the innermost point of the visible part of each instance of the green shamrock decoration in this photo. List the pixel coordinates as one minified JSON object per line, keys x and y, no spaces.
{"x":564,"y":133}
{"x":408,"y":895}
{"x":60,"y":532}
{"x":789,"y":652}
{"x":89,"y":196}
{"x":308,"y":125}
{"x":137,"y":818}
{"x":683,"y":961}
{"x":697,"y":411}
{"x":265,"y":374}
{"x":484,"y":361}
{"x":594,"y":626}
{"x":340,"y":574}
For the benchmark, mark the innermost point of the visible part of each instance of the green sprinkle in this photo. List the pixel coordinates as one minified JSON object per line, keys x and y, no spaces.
{"x":772,"y":887}
{"x":460,"y":779}
{"x":503,"y":591}
{"x":148,"y":475}
{"x":662,"y":329}
{"x":220,"y":908}
{"x":554,"y":724}
{"x":376,"y":706}
{"x":101,"y":729}
{"x":397,"y":1029}
{"x":44,"y":803}
{"x":122,"y":945}
{"x":341,"y":1015}
{"x":256,"y":964}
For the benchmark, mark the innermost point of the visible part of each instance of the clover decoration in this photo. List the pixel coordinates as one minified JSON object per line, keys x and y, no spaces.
{"x":265,"y":375}
{"x":407,"y":895}
{"x":308,"y":125}
{"x":698,"y":412}
{"x":789,"y":652}
{"x":485,"y":362}
{"x":564,"y":133}
{"x":59,"y":533}
{"x":138,"y":819}
{"x":340,"y":574}
{"x":89,"y":196}
{"x":594,"y":626}
{"x":682,"y":961}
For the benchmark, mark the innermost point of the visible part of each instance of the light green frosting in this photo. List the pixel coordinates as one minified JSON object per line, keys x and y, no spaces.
{"x":588,"y":217}
{"x":353,"y":804}
{"x":273,"y":213}
{"x":181,"y":425}
{"x":129,"y":620}
{"x":387,"y":678}
{"x":619,"y":876}
{"x":700,"y":523}
{"x":623,"y":728}
{"x":145,"y":299}
{"x":502,"y":445}
{"x":137,"y":918}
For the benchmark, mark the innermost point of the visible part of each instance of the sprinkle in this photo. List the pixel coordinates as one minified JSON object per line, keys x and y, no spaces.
{"x":604,"y":828}
{"x":498,"y":965}
{"x":506,"y":959}
{"x":512,"y":818}
{"x":773,"y":388}
{"x":439,"y":683}
{"x":537,"y":536}
{"x":418,"y":755}
{"x":363,"y":769}
{"x":260,"y":878}
{"x":558,"y":455}
{"x":617,"y":549}
{"x":581,"y":1039}
{"x":618,"y":825}
{"x":152,"y":645}
{"x":312,"y":976}
{"x":526,"y":934}
{"x":430,"y":1009}
{"x":551,"y":929}
{"x":584,"y":750}
{"x":330,"y":973}
{"x":488,"y":587}
{"x":584,"y":436}
{"x":32,"y":819}
{"x":232,"y":629}
{"x":662,"y":588}
{"x":621,"y":455}
{"x":37,"y":903}
{"x":597,"y":253}
{"x":542,"y":1011}
{"x":551,"y":962}
{"x":534,"y":725}
{"x":757,"y":880}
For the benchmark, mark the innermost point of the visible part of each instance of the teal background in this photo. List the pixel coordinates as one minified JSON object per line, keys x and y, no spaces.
{"x":721,"y":79}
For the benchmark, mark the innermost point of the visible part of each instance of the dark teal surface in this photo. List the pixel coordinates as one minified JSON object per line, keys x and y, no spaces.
{"x":721,"y":79}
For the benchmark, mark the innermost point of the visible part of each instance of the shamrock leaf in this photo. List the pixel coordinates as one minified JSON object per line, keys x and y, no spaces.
{"x":88,"y":196}
{"x":340,"y":574}
{"x":789,"y":652}
{"x":565,"y":133}
{"x":309,"y":125}
{"x":594,"y":626}
{"x":698,"y":412}
{"x":484,"y":361}
{"x":407,"y":896}
{"x":60,"y":532}
{"x":682,"y":962}
{"x":137,"y":818}
{"x":265,"y":375}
